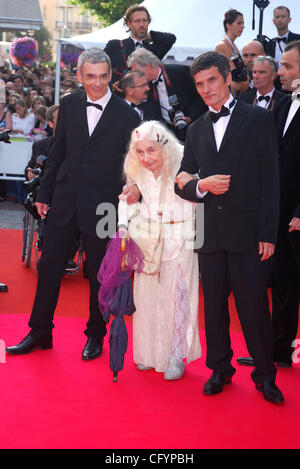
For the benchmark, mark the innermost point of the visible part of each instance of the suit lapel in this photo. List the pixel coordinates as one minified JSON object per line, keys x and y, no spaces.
{"x":83,"y":116}
{"x":236,"y":120}
{"x":208,"y":131}
{"x":294,"y":125}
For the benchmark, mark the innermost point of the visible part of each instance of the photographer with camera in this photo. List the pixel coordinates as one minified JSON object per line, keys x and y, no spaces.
{"x":42,"y":147}
{"x":234,"y":26}
{"x":172,"y":98}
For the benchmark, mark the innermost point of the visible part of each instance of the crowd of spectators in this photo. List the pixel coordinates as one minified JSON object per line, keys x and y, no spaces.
{"x":29,"y":93}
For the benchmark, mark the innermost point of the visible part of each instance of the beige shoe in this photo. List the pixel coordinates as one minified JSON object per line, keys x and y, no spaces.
{"x":175,"y":370}
{"x":143,"y":367}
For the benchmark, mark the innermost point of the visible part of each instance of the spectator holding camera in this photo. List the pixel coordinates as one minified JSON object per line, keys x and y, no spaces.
{"x":234,"y":26}
{"x":42,"y":147}
{"x":172,"y":97}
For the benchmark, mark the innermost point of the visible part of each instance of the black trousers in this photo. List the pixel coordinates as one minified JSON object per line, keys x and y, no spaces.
{"x":285,"y":293}
{"x":55,"y":254}
{"x":222,"y":271}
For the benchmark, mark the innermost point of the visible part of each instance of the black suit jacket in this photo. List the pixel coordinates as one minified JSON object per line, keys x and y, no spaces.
{"x":278,"y":99}
{"x":183,"y":85}
{"x":270,"y":46}
{"x":83,"y":171}
{"x":248,"y":213}
{"x":119,"y":51}
{"x":289,"y":161}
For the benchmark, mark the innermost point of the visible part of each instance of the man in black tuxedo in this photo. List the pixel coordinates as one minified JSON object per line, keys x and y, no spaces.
{"x":281,"y":20}
{"x":135,"y":89}
{"x":286,"y":259}
{"x":137,"y":19}
{"x":166,"y":82}
{"x":83,"y":172}
{"x":264,"y":95}
{"x":239,"y":185}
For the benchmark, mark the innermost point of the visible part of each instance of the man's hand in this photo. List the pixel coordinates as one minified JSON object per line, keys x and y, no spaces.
{"x":217,"y":184}
{"x":294,"y":224}
{"x":182,"y":178}
{"x":42,"y":209}
{"x":30,"y":174}
{"x":265,"y":250}
{"x":130,"y":194}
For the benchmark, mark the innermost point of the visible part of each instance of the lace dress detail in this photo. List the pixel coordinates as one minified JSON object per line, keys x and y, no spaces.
{"x":181,"y":315}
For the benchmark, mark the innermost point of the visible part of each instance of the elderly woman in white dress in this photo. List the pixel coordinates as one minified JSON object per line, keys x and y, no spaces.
{"x":165,"y":324}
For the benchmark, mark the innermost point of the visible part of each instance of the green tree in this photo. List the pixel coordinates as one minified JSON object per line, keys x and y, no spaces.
{"x":107,"y":11}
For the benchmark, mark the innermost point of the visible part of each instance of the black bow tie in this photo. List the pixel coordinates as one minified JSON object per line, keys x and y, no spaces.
{"x":135,"y":105}
{"x":283,"y":39}
{"x":266,"y":98}
{"x":215,"y":116}
{"x":139,"y":44}
{"x":158,"y":80}
{"x":98,"y":106}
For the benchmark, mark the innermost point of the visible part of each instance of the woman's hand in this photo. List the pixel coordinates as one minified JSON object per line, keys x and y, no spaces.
{"x":131,"y":194}
{"x":182,"y":178}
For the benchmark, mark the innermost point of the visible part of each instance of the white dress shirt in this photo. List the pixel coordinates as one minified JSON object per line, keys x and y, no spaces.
{"x":293,"y":109}
{"x":264,"y":103}
{"x":163,"y":97}
{"x":94,"y":114}
{"x":219,"y":130}
{"x":139,"y":111}
{"x":279,"y":49}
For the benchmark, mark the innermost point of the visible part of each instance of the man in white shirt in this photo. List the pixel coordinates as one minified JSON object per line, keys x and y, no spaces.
{"x":137,"y":19}
{"x":264,"y":75}
{"x":281,"y":20}
{"x":286,"y":260}
{"x":135,"y":89}
{"x":171,"y":87}
{"x":239,"y":187}
{"x":83,"y":172}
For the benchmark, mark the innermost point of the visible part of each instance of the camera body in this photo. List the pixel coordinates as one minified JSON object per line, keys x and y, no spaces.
{"x":30,"y":185}
{"x":240,"y":72}
{"x":176,"y":114}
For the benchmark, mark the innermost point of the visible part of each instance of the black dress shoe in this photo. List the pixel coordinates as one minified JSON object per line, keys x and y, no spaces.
{"x":246,"y":361}
{"x":216,"y":382}
{"x":3,"y":287}
{"x":270,"y":391}
{"x":92,"y":349}
{"x":28,"y":344}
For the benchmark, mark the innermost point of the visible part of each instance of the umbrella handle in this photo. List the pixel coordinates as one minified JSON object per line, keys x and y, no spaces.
{"x":123,"y":248}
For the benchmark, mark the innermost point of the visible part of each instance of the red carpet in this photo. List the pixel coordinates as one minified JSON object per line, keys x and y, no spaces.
{"x":52,"y":399}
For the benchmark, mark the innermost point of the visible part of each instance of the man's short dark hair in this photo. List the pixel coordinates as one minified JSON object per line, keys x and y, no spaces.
{"x":293,"y":45}
{"x":127,"y":81}
{"x":211,"y":59}
{"x":51,"y":111}
{"x":281,"y":7}
{"x":230,"y":17}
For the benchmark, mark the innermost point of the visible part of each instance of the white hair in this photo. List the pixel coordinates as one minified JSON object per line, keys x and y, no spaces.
{"x":158,"y":133}
{"x":93,"y":55}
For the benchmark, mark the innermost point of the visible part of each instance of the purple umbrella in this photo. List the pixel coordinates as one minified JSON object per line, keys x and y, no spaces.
{"x":122,"y":258}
